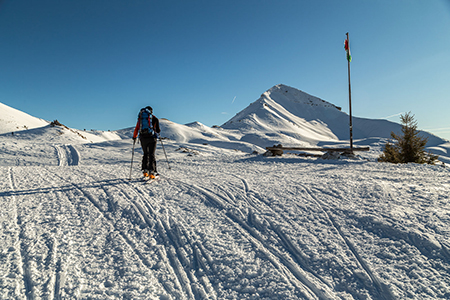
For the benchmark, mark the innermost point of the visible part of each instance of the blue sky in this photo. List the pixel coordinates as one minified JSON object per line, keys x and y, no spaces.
{"x":94,"y":64}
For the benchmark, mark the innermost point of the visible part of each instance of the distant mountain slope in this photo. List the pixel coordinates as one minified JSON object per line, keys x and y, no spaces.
{"x":282,"y":115}
{"x":27,"y":127}
{"x":61,"y":135}
{"x":196,"y":133}
{"x":12,"y":119}
{"x":286,"y":115}
{"x":289,"y":116}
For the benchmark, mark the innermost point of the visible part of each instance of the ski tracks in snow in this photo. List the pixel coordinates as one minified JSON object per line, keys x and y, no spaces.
{"x":182,"y":254}
{"x":67,"y":155}
{"x":378,"y":225}
{"x":15,"y":261}
{"x":82,"y":247}
{"x":179,"y":261}
{"x":382,"y":289}
{"x":317,"y":283}
{"x":33,"y":263}
{"x":255,"y":216}
{"x":116,"y":219}
{"x":260,"y":233}
{"x":211,"y":237}
{"x":186,"y":255}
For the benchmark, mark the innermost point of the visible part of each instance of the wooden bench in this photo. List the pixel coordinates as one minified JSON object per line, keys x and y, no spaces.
{"x":279,"y":150}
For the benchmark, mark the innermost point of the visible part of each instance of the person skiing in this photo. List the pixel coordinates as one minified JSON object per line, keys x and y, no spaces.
{"x":147,"y":128}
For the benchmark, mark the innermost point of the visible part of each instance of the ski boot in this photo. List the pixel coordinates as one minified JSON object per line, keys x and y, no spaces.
{"x":153,"y":175}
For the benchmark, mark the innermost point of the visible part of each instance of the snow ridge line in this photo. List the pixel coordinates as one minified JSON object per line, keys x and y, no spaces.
{"x":172,"y":235}
{"x":277,"y":258}
{"x":23,"y":269}
{"x":381,"y":288}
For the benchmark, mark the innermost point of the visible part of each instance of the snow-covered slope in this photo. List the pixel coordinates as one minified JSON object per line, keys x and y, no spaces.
{"x":229,"y":226}
{"x":286,"y":113}
{"x":282,"y":115}
{"x":48,"y":145}
{"x":61,"y":135}
{"x":12,"y":120}
{"x":197,"y":135}
{"x":288,"y":116}
{"x":289,"y":112}
{"x":21,"y":126}
{"x":77,"y":222}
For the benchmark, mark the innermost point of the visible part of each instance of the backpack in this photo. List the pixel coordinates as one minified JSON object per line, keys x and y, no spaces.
{"x":146,"y":124}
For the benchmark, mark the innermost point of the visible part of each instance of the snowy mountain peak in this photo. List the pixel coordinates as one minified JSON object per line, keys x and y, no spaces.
{"x":285,"y":102}
{"x":288,"y":116}
{"x":282,"y":93}
{"x":291,"y":117}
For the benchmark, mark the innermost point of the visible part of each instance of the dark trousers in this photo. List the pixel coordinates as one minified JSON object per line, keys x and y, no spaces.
{"x":148,"y":144}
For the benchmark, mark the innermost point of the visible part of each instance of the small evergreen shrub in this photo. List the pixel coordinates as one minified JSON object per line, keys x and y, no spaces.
{"x":408,"y":147}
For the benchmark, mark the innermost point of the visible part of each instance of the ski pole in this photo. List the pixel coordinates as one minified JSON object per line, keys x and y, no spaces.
{"x":164,"y":152}
{"x":132,"y":157}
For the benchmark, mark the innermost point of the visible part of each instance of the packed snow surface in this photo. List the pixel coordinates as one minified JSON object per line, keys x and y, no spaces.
{"x":12,"y":120}
{"x":224,"y":221}
{"x":228,"y":226}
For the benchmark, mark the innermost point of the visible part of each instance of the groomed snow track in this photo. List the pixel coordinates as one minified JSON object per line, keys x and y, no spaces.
{"x":67,"y":155}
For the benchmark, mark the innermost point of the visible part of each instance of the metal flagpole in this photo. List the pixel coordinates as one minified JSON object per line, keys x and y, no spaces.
{"x":349,"y":94}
